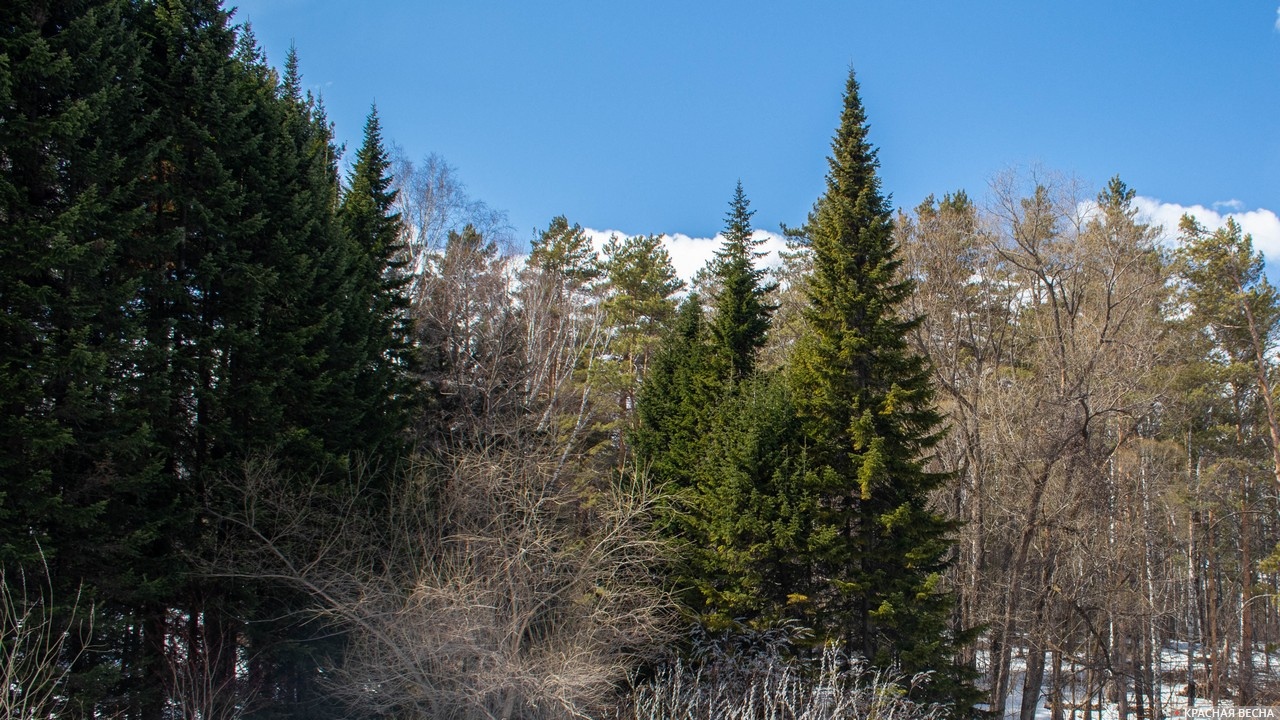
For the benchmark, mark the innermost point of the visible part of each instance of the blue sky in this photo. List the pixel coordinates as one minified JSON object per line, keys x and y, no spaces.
{"x":640,"y":117}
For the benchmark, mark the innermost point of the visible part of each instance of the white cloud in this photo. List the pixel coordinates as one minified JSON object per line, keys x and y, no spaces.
{"x":690,"y":254}
{"x":1262,"y":224}
{"x":1277,"y":18}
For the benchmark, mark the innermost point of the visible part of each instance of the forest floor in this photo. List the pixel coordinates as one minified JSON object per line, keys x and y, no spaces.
{"x":1172,"y":690}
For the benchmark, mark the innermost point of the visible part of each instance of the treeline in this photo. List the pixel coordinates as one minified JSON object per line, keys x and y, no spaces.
{"x":279,"y":440}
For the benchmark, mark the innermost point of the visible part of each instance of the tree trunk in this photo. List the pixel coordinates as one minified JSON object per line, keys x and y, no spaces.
{"x":1033,"y":683}
{"x":1090,"y":677}
{"x":1244,"y":677}
{"x":1122,"y":694}
{"x":1211,"y":615}
{"x":1000,"y":686}
{"x":155,"y":634}
{"x":1055,"y":705}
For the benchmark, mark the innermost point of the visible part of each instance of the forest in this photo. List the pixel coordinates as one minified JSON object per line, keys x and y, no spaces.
{"x":292,"y":431}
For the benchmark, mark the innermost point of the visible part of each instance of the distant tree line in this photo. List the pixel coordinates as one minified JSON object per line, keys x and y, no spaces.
{"x":1113,"y":444}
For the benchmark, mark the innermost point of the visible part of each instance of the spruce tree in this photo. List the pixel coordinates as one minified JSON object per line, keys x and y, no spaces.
{"x":876,"y":551}
{"x":675,"y":399}
{"x":174,"y":290}
{"x":724,"y":443}
{"x":71,"y":153}
{"x":742,"y":310}
{"x":377,"y":332}
{"x":749,"y":512}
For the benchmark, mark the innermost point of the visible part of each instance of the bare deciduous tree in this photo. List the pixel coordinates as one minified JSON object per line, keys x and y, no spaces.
{"x":432,"y":202}
{"x":1043,"y":320}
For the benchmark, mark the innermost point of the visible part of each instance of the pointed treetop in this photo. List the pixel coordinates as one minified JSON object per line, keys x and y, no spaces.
{"x":247,"y":49}
{"x":742,"y":314}
{"x":373,"y":132}
{"x":367,"y":206}
{"x":854,"y":162}
{"x":292,"y":82}
{"x":371,"y":173}
{"x":739,"y":244}
{"x":850,"y":229}
{"x":737,"y":222}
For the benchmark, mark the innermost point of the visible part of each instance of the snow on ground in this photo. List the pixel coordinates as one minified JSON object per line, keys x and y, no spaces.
{"x":1173,"y":693}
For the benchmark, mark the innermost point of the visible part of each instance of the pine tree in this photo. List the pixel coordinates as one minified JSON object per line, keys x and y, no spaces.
{"x":876,"y":551}
{"x":640,"y":284}
{"x":742,"y":311}
{"x":564,"y":252}
{"x":1234,"y":306}
{"x":227,"y":250}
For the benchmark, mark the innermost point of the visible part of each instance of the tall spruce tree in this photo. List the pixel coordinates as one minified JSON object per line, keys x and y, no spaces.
{"x":175,"y":292}
{"x":680,"y":388}
{"x":70,"y":153}
{"x":377,"y":327}
{"x":876,"y":551}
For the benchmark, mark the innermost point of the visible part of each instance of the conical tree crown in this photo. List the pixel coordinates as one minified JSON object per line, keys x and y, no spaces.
{"x":367,"y":205}
{"x":851,"y":228}
{"x":866,"y":406}
{"x":742,"y":312}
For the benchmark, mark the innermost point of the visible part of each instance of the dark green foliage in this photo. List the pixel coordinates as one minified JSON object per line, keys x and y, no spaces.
{"x":741,"y":309}
{"x":676,"y":399}
{"x":377,"y":328}
{"x":749,"y":511}
{"x":71,"y":119}
{"x":68,"y":209}
{"x":874,"y":558}
{"x":178,"y":298}
{"x":725,"y":444}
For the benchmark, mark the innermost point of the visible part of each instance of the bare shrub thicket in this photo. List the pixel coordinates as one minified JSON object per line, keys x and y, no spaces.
{"x":485,"y":591}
